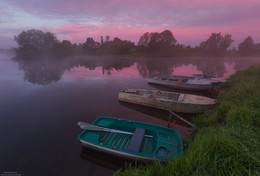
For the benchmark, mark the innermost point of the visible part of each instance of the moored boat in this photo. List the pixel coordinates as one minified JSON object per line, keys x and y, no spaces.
{"x":184,"y":83}
{"x":132,"y":139}
{"x":173,"y":101}
{"x":213,"y":80}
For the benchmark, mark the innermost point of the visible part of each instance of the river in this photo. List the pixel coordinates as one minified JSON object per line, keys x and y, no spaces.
{"x":42,"y":101}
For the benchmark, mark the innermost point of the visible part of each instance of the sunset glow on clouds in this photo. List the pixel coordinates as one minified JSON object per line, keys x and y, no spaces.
{"x":191,"y":22}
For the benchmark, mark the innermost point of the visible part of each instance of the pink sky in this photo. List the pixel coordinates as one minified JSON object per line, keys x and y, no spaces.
{"x":191,"y":22}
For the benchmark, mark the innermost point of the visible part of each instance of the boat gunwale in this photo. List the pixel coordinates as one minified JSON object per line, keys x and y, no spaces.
{"x":183,"y":85}
{"x":169,"y":100}
{"x":178,"y":106}
{"x":160,"y":107}
{"x":121,"y":153}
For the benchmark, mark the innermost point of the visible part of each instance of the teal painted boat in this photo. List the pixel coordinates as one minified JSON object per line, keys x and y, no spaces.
{"x":132,"y":139}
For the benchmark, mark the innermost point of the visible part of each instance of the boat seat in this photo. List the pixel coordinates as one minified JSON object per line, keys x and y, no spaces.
{"x":181,"y":97}
{"x":136,"y":141}
{"x":162,"y":151}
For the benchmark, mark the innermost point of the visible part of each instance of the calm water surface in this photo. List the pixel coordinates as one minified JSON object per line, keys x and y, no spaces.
{"x":41,"y":103}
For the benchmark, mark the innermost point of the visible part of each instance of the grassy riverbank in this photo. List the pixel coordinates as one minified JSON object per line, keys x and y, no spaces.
{"x":228,"y":137}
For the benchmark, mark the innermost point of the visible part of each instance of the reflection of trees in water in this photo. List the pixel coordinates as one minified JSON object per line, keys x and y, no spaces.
{"x":244,"y":62}
{"x":43,"y":72}
{"x":212,"y":66}
{"x":41,"y":75}
{"x":149,"y":67}
{"x":163,"y":66}
{"x":115,"y":63}
{"x":46,"y":71}
{"x":108,"y":64}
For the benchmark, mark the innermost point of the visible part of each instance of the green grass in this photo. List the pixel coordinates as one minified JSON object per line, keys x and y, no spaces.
{"x":227,"y":139}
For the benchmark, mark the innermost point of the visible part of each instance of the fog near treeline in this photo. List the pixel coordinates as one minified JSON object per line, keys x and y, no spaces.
{"x":46,"y":71}
{"x":34,"y":44}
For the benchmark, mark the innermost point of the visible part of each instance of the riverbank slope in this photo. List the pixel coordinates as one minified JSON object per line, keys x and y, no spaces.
{"x":227,"y":138}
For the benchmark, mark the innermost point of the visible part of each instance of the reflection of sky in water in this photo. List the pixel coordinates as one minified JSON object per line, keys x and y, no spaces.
{"x":82,"y":73}
{"x":12,"y":84}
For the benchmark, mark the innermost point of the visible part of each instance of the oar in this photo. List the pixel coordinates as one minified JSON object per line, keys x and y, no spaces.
{"x":176,"y":115}
{"x":92,"y":127}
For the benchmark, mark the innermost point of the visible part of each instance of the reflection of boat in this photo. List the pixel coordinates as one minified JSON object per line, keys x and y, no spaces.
{"x":201,"y":93}
{"x":132,"y":139}
{"x":103,"y":159}
{"x":158,"y":113}
{"x":176,"y":82}
{"x":173,"y":122}
{"x":167,"y":100}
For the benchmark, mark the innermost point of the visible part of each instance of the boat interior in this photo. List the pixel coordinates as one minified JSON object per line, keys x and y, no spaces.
{"x":175,"y":79}
{"x":157,"y":94}
{"x":124,"y":142}
{"x":142,"y":141}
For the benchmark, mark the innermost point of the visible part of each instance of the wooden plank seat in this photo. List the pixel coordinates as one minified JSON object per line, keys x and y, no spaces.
{"x":136,"y":141}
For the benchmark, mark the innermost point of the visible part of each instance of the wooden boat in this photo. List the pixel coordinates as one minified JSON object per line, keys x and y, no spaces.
{"x":173,"y":101}
{"x":182,"y":83}
{"x":132,"y":139}
{"x":213,"y":80}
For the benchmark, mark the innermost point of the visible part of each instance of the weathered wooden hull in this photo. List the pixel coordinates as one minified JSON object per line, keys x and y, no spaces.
{"x":189,"y":103}
{"x":213,"y":80}
{"x":179,"y":84}
{"x":118,"y":144}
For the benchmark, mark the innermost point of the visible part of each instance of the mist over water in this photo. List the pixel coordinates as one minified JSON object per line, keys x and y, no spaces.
{"x":42,"y":101}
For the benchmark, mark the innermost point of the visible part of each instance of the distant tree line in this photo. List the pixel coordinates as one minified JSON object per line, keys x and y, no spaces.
{"x":34,"y":43}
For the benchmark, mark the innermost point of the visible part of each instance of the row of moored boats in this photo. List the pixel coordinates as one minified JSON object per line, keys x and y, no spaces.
{"x":143,"y":141}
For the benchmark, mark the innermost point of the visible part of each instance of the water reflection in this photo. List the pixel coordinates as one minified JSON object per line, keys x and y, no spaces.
{"x":163,"y":66}
{"x":149,"y":67}
{"x":212,"y":66}
{"x":184,"y":129}
{"x":45,"y":71}
{"x":26,"y":112}
{"x":41,"y":72}
{"x":105,"y":160}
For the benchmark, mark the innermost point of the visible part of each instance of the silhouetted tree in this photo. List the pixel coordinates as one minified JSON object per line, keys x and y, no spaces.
{"x":167,"y":39}
{"x":257,"y":48}
{"x":90,"y":46}
{"x":35,"y":42}
{"x":117,"y":46}
{"x":122,"y":47}
{"x":157,"y":43}
{"x":101,"y":40}
{"x":65,"y":48}
{"x":107,"y":38}
{"x":143,"y":41}
{"x":247,"y":46}
{"x":216,"y":44}
{"x":107,"y":48}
